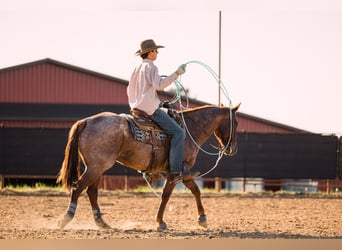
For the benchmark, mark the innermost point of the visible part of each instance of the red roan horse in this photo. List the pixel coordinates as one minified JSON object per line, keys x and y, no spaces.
{"x":101,"y":140}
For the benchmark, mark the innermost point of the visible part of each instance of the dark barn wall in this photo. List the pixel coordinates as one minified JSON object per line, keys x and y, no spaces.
{"x":273,"y":156}
{"x":38,"y":152}
{"x":31,"y":151}
{"x":55,"y":112}
{"x":277,"y":156}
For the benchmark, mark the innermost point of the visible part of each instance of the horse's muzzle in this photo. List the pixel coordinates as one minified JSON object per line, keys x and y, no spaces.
{"x":231,"y":150}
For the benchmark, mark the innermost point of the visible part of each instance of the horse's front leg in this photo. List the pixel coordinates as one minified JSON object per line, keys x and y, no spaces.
{"x":167,"y":191}
{"x":191,"y":184}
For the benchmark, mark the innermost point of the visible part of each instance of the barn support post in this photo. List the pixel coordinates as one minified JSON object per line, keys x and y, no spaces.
{"x":244,"y":184}
{"x":2,"y":181}
{"x":105,"y":182}
{"x":126,"y":183}
{"x":328,"y":186}
{"x":218,"y":184}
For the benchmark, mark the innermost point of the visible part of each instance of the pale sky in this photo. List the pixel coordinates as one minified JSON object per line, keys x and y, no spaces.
{"x":281,"y":59}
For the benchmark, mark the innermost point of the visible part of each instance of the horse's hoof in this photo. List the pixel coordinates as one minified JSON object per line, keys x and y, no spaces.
{"x":162,"y":226}
{"x":102,"y":224}
{"x":202,"y":221}
{"x":62,"y":222}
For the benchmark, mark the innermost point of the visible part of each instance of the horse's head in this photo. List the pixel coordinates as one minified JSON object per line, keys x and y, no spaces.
{"x":226,"y":133}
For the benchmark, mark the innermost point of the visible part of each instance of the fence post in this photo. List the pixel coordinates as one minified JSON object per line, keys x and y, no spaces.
{"x":105,"y":182}
{"x":2,"y":182}
{"x":126,"y":183}
{"x":218,"y":184}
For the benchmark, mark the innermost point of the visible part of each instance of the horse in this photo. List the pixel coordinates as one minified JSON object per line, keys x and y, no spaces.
{"x":101,"y":140}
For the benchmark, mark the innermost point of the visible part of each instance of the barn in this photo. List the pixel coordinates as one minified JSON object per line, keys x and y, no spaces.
{"x":40,"y":100}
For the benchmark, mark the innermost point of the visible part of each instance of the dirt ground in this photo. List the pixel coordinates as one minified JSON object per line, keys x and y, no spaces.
{"x":34,"y":215}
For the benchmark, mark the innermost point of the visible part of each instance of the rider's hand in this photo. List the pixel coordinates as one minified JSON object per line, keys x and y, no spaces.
{"x":181,"y":69}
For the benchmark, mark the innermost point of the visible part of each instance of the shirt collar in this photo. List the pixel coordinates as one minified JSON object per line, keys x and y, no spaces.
{"x":147,"y":60}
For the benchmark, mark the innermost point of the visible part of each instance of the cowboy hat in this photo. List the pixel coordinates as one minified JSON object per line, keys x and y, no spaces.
{"x":147,"y":46}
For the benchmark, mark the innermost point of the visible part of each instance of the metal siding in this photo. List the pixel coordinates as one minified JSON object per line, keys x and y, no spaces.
{"x":270,"y":156}
{"x":32,"y":151}
{"x":50,"y":115}
{"x":48,"y":83}
{"x":36,"y":124}
{"x":291,"y":156}
{"x":40,"y":152}
{"x":248,"y":125}
{"x":51,"y":83}
{"x":275,"y":156}
{"x":43,"y":84}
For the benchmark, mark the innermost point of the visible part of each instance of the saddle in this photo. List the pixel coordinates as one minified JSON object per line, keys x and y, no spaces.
{"x":146,"y":131}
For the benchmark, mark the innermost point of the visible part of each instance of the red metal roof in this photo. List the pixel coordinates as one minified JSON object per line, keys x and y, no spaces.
{"x":49,"y":81}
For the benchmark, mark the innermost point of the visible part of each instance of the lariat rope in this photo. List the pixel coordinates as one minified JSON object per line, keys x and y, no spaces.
{"x":177,"y":97}
{"x":150,"y":186}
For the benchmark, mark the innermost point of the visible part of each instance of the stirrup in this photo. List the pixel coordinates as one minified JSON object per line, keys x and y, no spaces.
{"x":176,"y":178}
{"x":187,"y":175}
{"x":191,"y":176}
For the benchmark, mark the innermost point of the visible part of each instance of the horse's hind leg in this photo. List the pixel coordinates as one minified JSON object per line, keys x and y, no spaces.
{"x":85,"y":180}
{"x":191,"y":184}
{"x":92,"y":192}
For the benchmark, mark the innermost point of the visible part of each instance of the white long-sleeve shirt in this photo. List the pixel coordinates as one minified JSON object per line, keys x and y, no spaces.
{"x":143,"y":85}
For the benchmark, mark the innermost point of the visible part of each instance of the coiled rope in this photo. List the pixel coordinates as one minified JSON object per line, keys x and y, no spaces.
{"x":177,"y":97}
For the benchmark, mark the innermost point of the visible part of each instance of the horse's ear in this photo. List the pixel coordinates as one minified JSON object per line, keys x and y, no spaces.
{"x":237,"y":107}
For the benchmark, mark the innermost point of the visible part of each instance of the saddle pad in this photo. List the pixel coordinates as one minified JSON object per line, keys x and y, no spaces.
{"x":146,"y":134}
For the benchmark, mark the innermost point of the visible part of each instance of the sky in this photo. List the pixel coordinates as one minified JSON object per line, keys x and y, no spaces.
{"x":282,"y":60}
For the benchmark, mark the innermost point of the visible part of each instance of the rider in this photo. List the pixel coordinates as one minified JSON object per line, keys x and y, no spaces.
{"x":142,"y":94}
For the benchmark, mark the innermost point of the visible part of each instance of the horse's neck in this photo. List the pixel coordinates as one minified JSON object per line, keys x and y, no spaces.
{"x":204,"y":122}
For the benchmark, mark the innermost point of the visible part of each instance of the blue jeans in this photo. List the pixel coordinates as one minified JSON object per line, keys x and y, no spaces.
{"x":170,"y":126}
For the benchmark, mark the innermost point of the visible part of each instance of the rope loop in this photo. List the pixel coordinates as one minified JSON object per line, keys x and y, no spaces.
{"x":177,"y":97}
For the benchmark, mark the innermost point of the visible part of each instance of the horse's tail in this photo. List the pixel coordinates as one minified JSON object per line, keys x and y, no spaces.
{"x":70,"y":170}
